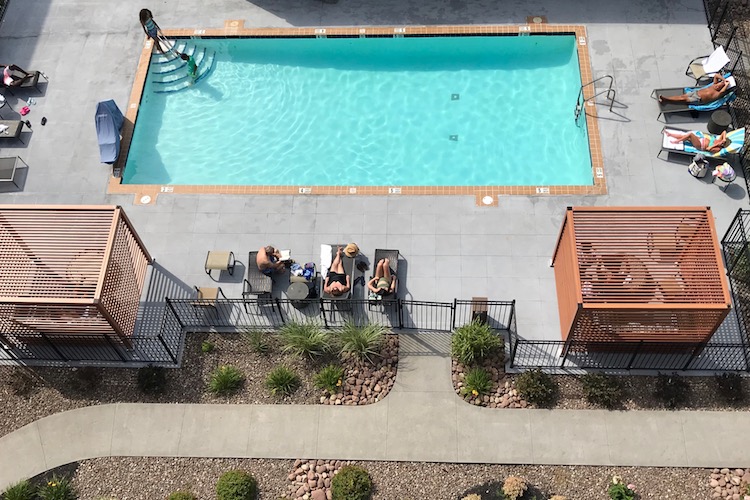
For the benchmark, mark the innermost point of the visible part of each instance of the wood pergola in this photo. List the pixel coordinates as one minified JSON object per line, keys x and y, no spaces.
{"x":631,"y":274}
{"x":74,"y":270}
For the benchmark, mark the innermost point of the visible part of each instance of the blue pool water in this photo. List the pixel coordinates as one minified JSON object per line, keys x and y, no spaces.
{"x":434,"y":111}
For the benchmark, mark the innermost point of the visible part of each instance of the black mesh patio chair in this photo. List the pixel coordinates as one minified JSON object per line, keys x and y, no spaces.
{"x":257,"y":286}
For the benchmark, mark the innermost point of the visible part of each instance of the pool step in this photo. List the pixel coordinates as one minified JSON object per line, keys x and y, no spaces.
{"x":169,"y":71}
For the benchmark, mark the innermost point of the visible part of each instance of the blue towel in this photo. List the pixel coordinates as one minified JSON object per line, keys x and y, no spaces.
{"x":729,"y":97}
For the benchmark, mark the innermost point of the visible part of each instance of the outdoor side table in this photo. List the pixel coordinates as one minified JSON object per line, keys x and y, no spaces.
{"x":219,"y":261}
{"x":724,"y":182}
{"x":298,"y":292}
{"x":719,"y":122}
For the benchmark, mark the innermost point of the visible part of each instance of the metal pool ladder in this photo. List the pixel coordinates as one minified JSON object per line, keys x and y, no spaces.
{"x":581,"y":102}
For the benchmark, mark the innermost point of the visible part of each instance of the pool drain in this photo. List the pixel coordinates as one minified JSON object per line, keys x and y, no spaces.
{"x":455,"y":97}
{"x":453,"y":137}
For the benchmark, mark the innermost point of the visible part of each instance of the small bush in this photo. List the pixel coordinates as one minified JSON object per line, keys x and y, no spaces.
{"x":351,"y":483}
{"x":619,"y":491}
{"x":56,"y":488}
{"x":672,"y":390}
{"x":21,"y":382}
{"x":206,"y":347}
{"x":152,"y":379}
{"x":363,"y":342}
{"x":329,"y":378}
{"x":477,"y":382}
{"x":730,"y":387}
{"x":282,"y":381}
{"x":305,"y":339}
{"x":514,"y":487}
{"x":602,"y":390}
{"x":536,"y":387}
{"x":22,"y":490}
{"x":182,"y":495}
{"x":236,"y":485}
{"x":473,"y":342}
{"x":258,"y":341}
{"x":225,"y":380}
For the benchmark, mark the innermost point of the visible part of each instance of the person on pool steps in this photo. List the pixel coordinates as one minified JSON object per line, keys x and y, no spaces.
{"x":152,"y":30}
{"x":337,"y":281}
{"x":718,"y":89}
{"x":191,"y":67}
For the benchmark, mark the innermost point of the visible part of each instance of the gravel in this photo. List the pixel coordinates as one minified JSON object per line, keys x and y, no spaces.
{"x":154,"y":478}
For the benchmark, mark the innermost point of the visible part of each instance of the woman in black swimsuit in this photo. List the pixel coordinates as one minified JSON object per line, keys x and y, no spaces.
{"x":337,"y":281}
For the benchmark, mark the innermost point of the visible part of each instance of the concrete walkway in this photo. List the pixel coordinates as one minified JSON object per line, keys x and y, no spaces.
{"x":420,"y":420}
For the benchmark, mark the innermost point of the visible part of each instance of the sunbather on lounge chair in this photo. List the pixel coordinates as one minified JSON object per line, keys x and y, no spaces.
{"x":14,"y":80}
{"x":707,"y":142}
{"x":269,"y":261}
{"x":337,"y":281}
{"x":715,"y":91}
{"x":383,"y":283}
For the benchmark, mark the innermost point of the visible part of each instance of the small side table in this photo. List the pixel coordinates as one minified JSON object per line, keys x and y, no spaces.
{"x":724,"y":182}
{"x":298,"y":292}
{"x":719,"y":122}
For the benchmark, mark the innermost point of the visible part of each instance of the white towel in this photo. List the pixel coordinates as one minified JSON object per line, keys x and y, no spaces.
{"x":717,"y":60}
{"x":3,"y":129}
{"x":325,"y":260}
{"x":667,"y":141}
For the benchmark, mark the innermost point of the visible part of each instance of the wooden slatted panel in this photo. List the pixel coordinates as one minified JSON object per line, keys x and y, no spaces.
{"x":124,"y":279}
{"x":54,"y":252}
{"x":648,"y":256}
{"x":54,"y":318}
{"x":568,"y":295}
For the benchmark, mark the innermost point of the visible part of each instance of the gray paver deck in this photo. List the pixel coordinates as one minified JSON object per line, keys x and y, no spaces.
{"x":420,"y":420}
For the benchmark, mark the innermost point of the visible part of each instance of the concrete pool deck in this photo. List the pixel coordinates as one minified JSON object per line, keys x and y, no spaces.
{"x":90,"y":53}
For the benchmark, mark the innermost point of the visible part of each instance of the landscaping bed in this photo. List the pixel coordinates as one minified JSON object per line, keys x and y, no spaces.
{"x":155,"y":478}
{"x":28,"y":394}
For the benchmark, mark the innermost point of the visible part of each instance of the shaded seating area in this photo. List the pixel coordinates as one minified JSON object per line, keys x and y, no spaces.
{"x":69,"y":271}
{"x":639,"y":274}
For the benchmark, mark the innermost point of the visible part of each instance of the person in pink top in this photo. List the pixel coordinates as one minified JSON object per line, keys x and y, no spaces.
{"x":11,"y":77}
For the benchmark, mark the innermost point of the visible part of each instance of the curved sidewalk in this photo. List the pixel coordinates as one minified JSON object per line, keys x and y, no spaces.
{"x":420,"y":420}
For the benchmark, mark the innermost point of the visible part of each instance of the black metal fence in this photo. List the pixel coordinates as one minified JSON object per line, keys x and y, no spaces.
{"x":262,"y":313}
{"x":737,"y":261}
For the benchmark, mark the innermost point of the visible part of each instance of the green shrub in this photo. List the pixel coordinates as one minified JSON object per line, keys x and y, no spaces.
{"x":473,"y":342}
{"x":226,"y":379}
{"x":477,"y":382}
{"x":536,"y":387}
{"x":619,"y":491}
{"x":258,"y":341}
{"x":672,"y":390}
{"x":305,"y":339}
{"x":56,"y":488}
{"x":22,"y":490}
{"x":730,"y":387}
{"x":182,"y":495}
{"x":363,"y":342}
{"x":282,"y":381}
{"x":236,"y":485}
{"x":602,"y":390}
{"x":206,"y":347}
{"x":329,"y":378}
{"x":152,"y":379}
{"x":351,"y":483}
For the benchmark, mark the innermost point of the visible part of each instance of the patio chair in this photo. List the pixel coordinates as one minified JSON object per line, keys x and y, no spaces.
{"x":348,"y":263}
{"x":707,"y":66}
{"x":8,"y":168}
{"x":13,"y":131}
{"x":257,"y":286}
{"x":666,"y":108}
{"x":32,"y":81}
{"x":737,"y":138}
{"x":207,"y":298}
{"x":392,"y":256}
{"x":219,"y":261}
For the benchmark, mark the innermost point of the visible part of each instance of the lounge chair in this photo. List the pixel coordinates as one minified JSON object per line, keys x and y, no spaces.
{"x":392,"y":256}
{"x":32,"y":81}
{"x":707,"y":66}
{"x":257,"y":284}
{"x":348,"y":263}
{"x":13,"y":131}
{"x":666,"y":108}
{"x":737,"y":138}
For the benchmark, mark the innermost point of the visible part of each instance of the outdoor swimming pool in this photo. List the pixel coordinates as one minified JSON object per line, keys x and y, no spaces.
{"x":390,"y":111}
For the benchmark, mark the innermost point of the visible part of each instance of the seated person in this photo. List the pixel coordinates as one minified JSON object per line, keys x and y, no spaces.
{"x":709,"y":142}
{"x":383,"y":283}
{"x":718,"y":89}
{"x":269,"y":261}
{"x":337,"y":281}
{"x":13,"y":76}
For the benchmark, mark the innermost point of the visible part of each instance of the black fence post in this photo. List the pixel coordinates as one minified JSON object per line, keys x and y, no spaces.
{"x":566,"y":349}
{"x":400,"y":304}
{"x":281,"y":313}
{"x":512,"y":313}
{"x":635,"y":353}
{"x":453,"y":314}
{"x":52,"y":345}
{"x":174,"y":312}
{"x":323,"y":313}
{"x":513,"y":349}
{"x":166,"y":348}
